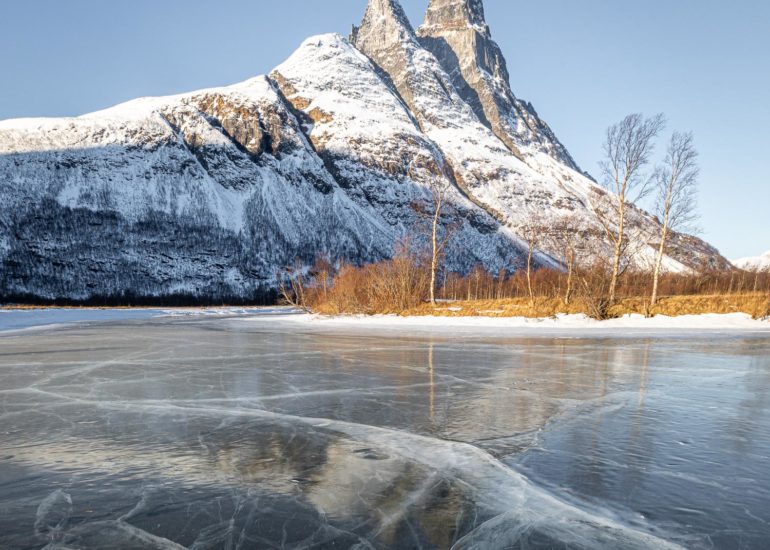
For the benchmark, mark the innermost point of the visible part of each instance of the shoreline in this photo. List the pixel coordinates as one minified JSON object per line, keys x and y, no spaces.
{"x":15,"y":320}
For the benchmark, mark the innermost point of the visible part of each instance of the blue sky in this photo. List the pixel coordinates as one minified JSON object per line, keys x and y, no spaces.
{"x":584,"y":65}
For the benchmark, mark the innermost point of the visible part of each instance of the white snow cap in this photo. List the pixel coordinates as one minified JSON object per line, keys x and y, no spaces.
{"x":754,"y":263}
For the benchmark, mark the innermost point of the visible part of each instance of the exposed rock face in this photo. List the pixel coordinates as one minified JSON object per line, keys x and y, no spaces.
{"x":457,"y":33}
{"x":471,"y":155}
{"x":457,"y":14}
{"x":209,"y":194}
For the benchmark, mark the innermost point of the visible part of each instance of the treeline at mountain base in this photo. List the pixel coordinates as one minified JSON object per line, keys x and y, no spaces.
{"x":402,"y":286}
{"x":261,"y":297}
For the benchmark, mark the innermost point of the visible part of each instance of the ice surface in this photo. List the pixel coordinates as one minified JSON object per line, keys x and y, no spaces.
{"x":222,"y":431}
{"x":23,"y":319}
{"x":20,"y":319}
{"x":53,"y":514}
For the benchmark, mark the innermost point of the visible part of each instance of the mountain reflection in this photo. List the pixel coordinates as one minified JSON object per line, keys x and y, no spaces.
{"x":178,"y":432}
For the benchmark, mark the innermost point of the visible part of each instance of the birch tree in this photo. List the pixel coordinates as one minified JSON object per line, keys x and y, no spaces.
{"x":532,"y":232}
{"x":676,"y":182}
{"x":569,"y":238}
{"x":438,"y":189}
{"x":628,"y":147}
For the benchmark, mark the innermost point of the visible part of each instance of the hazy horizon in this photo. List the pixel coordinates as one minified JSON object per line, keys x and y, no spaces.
{"x":704,"y":64}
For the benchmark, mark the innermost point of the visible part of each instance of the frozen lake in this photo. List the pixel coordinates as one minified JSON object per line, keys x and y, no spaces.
{"x":128,"y":430}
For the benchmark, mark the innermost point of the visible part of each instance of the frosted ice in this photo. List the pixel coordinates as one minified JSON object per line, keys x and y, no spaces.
{"x":226,"y":428}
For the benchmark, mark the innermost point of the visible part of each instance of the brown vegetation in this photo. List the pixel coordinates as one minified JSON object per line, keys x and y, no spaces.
{"x":402,"y":286}
{"x":391,"y":286}
{"x":756,"y":305}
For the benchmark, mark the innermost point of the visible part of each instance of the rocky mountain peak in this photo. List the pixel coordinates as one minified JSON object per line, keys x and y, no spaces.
{"x":387,"y":38}
{"x":456,"y":32}
{"x":384,"y":21}
{"x":456,"y":14}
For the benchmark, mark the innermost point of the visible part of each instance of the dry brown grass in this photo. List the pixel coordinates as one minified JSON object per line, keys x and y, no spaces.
{"x":755,"y":304}
{"x":387,"y":287}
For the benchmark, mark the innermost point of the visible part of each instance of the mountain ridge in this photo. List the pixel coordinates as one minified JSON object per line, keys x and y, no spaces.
{"x":754,"y":263}
{"x":210,"y":193}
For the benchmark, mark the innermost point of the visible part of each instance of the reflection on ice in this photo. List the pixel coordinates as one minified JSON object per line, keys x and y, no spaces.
{"x":53,"y":515}
{"x":192,"y":433}
{"x":398,"y":479}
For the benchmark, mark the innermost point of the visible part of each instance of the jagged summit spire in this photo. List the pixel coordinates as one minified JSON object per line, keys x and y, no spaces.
{"x":456,"y":14}
{"x":383,"y":18}
{"x":387,"y":38}
{"x":456,"y":32}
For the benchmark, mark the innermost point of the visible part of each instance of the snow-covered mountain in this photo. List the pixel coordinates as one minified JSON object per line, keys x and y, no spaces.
{"x":755,"y":263}
{"x":209,"y":194}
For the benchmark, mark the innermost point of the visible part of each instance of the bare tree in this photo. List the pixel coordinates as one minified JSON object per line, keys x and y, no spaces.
{"x":676,"y":183}
{"x":533,"y":233}
{"x":438,"y":188}
{"x":438,"y":185}
{"x":628,"y":147}
{"x":291,"y":286}
{"x":569,"y":237}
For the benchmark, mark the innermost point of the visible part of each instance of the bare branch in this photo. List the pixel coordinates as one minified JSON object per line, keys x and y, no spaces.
{"x":676,"y":183}
{"x":628,"y":148}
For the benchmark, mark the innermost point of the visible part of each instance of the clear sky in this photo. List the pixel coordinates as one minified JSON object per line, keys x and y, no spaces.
{"x":583,"y":65}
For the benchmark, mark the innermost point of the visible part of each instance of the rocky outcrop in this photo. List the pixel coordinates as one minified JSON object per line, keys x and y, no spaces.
{"x":457,"y":33}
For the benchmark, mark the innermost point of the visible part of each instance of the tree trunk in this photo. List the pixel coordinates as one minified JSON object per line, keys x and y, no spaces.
{"x":434,"y":258}
{"x":618,"y":253}
{"x":659,"y":263}
{"x":529,"y":276}
{"x":570,"y":271}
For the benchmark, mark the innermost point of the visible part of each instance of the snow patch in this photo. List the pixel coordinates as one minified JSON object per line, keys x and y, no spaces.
{"x":531,"y":326}
{"x":754,"y":263}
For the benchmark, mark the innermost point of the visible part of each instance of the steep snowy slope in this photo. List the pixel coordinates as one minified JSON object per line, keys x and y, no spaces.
{"x":202,"y":194}
{"x":476,"y":161}
{"x":755,"y":263}
{"x":376,"y":152}
{"x":209,"y":194}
